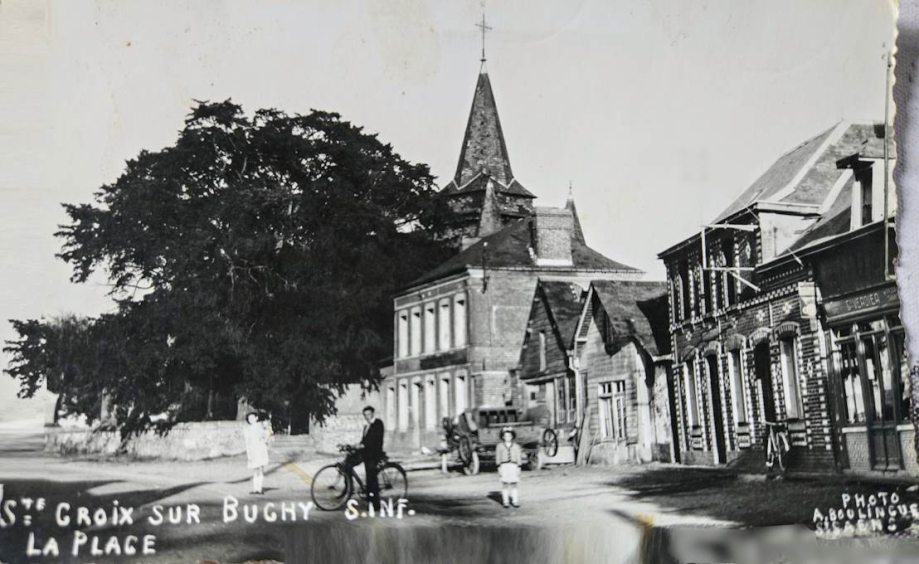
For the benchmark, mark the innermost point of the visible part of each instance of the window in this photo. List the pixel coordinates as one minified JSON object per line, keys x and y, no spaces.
{"x":445,"y":396}
{"x":460,"y":394}
{"x":403,"y":406}
{"x":707,"y":289}
{"x":738,"y":389}
{"x":403,"y":334}
{"x":695,"y":288}
{"x":851,"y":384}
{"x":685,"y":294}
{"x":443,"y":325}
{"x":430,"y":328}
{"x":459,"y":321}
{"x":572,"y":398}
{"x":867,"y":195}
{"x":567,"y":399}
{"x":674,"y":301}
{"x":430,"y":404}
{"x":900,"y":353}
{"x":390,"y":407}
{"x":730,"y":284}
{"x":612,"y":410}
{"x":794,"y":406}
{"x":415,"y":332}
{"x":542,"y":351}
{"x":692,"y":399}
{"x":874,"y":373}
{"x":416,"y":404}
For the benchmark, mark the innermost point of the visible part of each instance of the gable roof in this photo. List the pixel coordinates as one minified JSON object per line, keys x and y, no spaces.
{"x":511,"y":248}
{"x":778,"y":176}
{"x":564,"y":302}
{"x":806,"y":175}
{"x":636,"y":310}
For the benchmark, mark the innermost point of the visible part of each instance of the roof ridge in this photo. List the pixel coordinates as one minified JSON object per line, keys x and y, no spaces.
{"x":835,"y":134}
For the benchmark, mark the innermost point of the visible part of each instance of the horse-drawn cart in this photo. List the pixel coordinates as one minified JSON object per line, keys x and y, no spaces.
{"x":472,"y":436}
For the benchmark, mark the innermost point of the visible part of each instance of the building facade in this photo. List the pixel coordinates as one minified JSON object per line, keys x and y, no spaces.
{"x":598,"y":359}
{"x":780,"y":311}
{"x":459,"y":328}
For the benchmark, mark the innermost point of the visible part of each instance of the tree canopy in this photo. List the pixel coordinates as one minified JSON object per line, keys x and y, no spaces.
{"x":255,"y":258}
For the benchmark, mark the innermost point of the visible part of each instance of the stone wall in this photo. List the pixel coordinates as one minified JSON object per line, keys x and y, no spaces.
{"x":186,"y":441}
{"x":346,"y":426}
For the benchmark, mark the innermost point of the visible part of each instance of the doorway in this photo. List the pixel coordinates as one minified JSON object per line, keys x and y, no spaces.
{"x":762,"y":367}
{"x":711,"y":363}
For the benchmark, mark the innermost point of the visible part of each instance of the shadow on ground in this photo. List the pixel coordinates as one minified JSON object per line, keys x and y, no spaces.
{"x":747,"y":500}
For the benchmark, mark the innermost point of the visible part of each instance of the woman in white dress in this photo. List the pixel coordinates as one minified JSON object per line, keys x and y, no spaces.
{"x":509,"y":457}
{"x":257,"y":434}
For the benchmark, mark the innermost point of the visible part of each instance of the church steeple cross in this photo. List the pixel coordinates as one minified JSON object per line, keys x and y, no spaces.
{"x":485,"y":29}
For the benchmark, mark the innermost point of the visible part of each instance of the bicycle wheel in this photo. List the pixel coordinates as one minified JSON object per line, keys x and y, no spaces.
{"x":331,"y":487}
{"x":781,"y":451}
{"x":393,"y":481}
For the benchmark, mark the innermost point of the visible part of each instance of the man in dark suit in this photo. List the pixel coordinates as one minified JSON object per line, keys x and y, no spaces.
{"x":372,"y":452}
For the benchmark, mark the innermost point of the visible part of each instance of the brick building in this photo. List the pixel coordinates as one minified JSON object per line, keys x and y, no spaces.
{"x":599,"y":359}
{"x":459,"y":328}
{"x":768,"y":330}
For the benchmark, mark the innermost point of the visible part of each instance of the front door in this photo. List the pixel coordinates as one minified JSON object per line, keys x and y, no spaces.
{"x":717,"y":416}
{"x":884,"y":444}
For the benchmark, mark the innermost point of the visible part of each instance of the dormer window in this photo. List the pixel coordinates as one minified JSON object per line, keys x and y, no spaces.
{"x":863,"y":205}
{"x":866,"y":197}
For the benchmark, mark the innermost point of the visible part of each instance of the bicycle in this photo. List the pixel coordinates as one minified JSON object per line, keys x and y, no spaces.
{"x":333,"y":485}
{"x":777,"y":446}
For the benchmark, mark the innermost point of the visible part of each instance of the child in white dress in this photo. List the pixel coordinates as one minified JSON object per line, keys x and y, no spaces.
{"x":257,"y":434}
{"x":509,"y":457}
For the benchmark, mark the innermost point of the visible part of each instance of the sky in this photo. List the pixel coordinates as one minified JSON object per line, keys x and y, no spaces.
{"x":657,"y":113}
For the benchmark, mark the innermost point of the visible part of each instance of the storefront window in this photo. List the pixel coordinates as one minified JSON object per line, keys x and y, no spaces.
{"x":899,"y":350}
{"x":873,"y":369}
{"x":851,"y":384}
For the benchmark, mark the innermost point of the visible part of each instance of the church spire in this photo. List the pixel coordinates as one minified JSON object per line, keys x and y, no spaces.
{"x":483,"y":147}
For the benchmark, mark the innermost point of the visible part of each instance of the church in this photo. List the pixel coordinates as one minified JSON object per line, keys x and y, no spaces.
{"x":459,"y":328}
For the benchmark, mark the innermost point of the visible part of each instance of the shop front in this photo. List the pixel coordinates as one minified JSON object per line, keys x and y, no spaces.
{"x":870,"y":382}
{"x":869,"y":387}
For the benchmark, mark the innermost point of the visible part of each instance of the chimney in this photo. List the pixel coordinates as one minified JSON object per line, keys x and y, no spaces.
{"x":552,"y":234}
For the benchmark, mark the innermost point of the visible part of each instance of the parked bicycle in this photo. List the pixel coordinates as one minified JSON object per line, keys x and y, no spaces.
{"x":777,"y":446}
{"x":334,"y":484}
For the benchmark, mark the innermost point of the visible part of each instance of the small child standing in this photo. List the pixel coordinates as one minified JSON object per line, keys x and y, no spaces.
{"x":509,"y":458}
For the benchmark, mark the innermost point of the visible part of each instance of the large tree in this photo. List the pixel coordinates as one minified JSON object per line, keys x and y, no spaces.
{"x":255,"y":258}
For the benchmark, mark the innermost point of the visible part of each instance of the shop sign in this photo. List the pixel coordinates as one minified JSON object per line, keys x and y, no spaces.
{"x":881,"y":298}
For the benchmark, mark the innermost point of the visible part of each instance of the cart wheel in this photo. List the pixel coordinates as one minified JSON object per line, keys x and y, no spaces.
{"x":550,"y":442}
{"x":472,"y":468}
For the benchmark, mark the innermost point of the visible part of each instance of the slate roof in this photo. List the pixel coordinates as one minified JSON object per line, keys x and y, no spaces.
{"x":636,"y":309}
{"x":777,"y":176}
{"x":564,"y":302}
{"x":510,"y":248}
{"x":484,"y":152}
{"x":807,"y":173}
